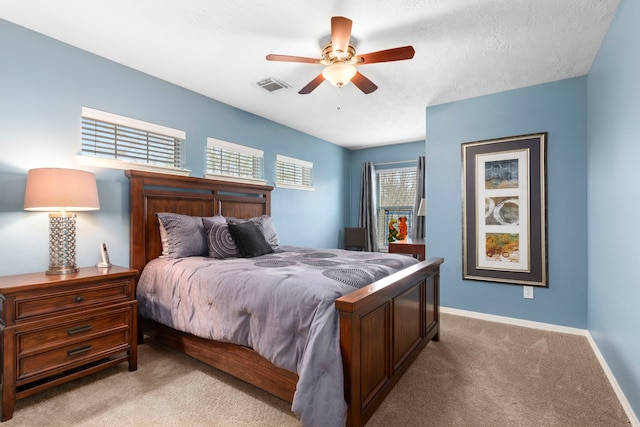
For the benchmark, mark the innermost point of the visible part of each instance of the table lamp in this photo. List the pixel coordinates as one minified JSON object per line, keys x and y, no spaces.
{"x":422,"y":208}
{"x":59,"y":191}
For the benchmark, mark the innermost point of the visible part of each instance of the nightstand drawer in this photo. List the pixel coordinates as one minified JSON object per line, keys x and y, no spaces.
{"x":77,"y":328}
{"x":72,"y":299}
{"x":72,"y":355}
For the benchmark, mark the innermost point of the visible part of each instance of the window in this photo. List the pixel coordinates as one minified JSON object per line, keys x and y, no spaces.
{"x":396,"y":199}
{"x":234,"y":162}
{"x":119,"y":142}
{"x":294,"y":173}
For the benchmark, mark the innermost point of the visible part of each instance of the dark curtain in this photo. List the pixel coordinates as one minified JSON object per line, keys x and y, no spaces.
{"x":367,"y":217}
{"x":418,"y":226}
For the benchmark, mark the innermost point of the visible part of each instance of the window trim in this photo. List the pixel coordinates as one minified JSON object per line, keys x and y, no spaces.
{"x":94,"y":114}
{"x":230,"y":146}
{"x":110,"y":163}
{"x":123,"y":165}
{"x":297,"y":162}
{"x":384,"y":247}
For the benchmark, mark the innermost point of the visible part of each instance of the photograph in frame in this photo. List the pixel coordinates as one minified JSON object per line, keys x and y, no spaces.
{"x":504,"y":234}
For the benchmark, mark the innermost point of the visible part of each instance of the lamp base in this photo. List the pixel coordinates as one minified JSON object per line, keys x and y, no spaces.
{"x":62,"y":269}
{"x":62,"y":243}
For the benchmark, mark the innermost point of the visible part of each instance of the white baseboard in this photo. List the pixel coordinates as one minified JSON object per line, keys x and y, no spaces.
{"x":514,"y":321}
{"x":633,"y":419}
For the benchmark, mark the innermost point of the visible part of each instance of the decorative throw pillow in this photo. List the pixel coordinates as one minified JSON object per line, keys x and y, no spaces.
{"x":250,"y":239}
{"x":185,"y":235}
{"x":217,"y":218}
{"x":266,"y":226}
{"x":268,"y":229}
{"x":220,"y":242}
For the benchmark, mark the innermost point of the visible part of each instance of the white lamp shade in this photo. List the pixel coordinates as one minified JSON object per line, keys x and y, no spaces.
{"x":422,"y":209}
{"x":52,"y":189}
{"x":339,"y":74}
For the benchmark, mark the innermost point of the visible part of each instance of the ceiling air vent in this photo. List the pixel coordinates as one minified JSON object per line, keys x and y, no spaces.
{"x":273,"y":85}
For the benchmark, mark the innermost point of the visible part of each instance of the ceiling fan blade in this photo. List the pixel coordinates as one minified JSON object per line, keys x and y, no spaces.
{"x":290,"y":58}
{"x":395,"y":54}
{"x":312,"y":85}
{"x":363,"y":83}
{"x":340,"y":33}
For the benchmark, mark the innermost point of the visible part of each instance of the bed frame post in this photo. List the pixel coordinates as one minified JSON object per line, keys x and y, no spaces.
{"x":350,"y":348}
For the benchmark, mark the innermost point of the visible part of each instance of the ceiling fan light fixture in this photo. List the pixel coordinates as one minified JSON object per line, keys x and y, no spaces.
{"x":339,"y":74}
{"x":339,"y":58}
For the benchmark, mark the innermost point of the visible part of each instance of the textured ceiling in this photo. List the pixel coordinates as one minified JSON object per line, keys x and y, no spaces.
{"x":464,"y":48}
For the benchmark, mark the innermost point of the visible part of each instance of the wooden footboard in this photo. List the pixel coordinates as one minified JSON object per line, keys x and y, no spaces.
{"x":383,"y":328}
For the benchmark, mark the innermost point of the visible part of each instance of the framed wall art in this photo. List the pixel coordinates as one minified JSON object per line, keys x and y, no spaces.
{"x":504,"y":228}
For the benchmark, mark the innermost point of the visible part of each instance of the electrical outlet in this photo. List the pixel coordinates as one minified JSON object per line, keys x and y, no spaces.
{"x":528,"y":292}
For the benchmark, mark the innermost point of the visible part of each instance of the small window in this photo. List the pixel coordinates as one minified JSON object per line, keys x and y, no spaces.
{"x":396,"y":198}
{"x":234,"y":162}
{"x":294,"y":173}
{"x":120,"y":142}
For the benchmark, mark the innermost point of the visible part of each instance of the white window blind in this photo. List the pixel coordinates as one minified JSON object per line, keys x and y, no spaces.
{"x":294,"y":173}
{"x":124,"y":142}
{"x":234,"y":162}
{"x":396,"y":198}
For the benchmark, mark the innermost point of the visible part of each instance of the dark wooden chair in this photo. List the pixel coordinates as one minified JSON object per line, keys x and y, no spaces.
{"x":355,"y":238}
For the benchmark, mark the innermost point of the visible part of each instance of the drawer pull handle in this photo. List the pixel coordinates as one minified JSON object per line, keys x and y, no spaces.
{"x":78,"y":329}
{"x":78,"y":299}
{"x":79,"y":350}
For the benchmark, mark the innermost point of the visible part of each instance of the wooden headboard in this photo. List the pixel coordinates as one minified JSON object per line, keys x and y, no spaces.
{"x":154,"y":192}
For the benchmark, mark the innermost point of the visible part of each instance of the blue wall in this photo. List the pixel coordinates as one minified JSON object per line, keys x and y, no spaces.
{"x":43,"y":85}
{"x":614,"y":202}
{"x":558,"y":108}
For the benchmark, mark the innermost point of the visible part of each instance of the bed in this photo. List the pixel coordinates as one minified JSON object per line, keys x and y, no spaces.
{"x":382,"y":326}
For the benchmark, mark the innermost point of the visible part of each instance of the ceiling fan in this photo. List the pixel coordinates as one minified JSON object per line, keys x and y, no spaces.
{"x":340,"y":59}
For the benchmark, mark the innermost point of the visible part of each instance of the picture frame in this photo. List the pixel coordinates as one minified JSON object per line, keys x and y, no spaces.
{"x":504,"y":224}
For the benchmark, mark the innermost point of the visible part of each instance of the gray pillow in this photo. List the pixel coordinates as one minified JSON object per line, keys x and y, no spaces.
{"x":266,"y":226}
{"x":268,"y":229}
{"x":220,"y":242}
{"x":183,"y":236}
{"x":250,"y":239}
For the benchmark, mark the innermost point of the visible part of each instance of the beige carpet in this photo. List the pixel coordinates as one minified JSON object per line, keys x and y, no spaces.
{"x":479,"y":374}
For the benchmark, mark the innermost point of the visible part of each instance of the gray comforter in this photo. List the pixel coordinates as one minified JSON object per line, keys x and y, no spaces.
{"x":280,"y":304}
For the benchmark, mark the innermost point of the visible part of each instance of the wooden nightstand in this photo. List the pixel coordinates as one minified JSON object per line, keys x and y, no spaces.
{"x":56,"y":328}
{"x":415,"y":247}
